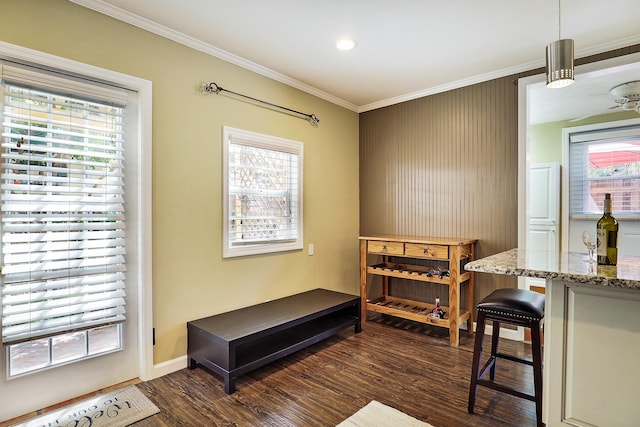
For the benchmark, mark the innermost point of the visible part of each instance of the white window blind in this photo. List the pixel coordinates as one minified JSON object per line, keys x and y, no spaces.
{"x":263,"y":193}
{"x":604,"y":161}
{"x":62,"y":205}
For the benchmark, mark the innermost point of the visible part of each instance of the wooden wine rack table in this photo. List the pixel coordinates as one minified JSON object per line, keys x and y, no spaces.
{"x":405,"y":251}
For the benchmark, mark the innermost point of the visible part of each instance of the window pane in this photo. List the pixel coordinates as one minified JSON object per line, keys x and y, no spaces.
{"x":28,"y":356}
{"x":104,"y":339}
{"x":262,"y":200}
{"x":68,"y":347}
{"x":614,"y":167}
{"x":48,"y":352}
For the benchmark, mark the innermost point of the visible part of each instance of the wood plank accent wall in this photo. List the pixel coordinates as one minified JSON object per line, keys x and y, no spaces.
{"x":446,"y":165}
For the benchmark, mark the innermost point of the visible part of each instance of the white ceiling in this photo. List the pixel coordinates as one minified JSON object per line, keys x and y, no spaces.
{"x":588,"y":96}
{"x":405,"y":49}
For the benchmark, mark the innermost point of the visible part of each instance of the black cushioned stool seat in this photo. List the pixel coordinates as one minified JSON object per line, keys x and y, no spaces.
{"x":516,"y":307}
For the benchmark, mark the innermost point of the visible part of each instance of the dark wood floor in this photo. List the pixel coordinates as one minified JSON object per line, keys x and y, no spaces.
{"x":402,"y":364}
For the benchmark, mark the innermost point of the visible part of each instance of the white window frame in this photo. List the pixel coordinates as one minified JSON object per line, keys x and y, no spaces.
{"x":588,"y":133}
{"x":141,"y":254}
{"x":267,"y":142}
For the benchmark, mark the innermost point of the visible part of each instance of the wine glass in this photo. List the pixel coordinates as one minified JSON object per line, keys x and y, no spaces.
{"x":590,"y":241}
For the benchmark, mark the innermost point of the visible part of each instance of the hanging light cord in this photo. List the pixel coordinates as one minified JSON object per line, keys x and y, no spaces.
{"x":559,"y":20}
{"x":215,"y":88}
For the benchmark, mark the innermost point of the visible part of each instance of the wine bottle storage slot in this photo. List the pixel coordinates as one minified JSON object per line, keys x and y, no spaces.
{"x":418,"y":259}
{"x":415,"y":272}
{"x":412,"y":310}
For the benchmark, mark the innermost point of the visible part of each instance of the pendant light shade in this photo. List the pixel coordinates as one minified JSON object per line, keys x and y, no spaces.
{"x":560,"y":63}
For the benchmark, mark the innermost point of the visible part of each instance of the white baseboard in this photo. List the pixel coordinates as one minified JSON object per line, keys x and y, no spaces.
{"x":510,"y":334}
{"x":169,"y":366}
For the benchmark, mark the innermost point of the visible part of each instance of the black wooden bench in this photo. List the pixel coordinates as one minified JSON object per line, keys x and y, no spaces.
{"x":234,"y":343}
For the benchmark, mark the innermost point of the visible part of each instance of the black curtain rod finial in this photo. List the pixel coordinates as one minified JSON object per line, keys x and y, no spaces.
{"x":314,"y":120}
{"x":209,"y":88}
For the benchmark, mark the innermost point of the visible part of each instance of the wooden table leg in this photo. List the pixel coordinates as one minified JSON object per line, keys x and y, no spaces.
{"x":471,"y":284}
{"x":454,"y":296}
{"x":363,"y":281}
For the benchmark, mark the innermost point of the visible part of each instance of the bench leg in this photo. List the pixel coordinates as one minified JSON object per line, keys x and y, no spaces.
{"x":229,"y":384}
{"x":192,"y":364}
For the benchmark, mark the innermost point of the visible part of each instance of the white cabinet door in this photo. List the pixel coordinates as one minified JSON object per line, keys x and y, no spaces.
{"x":592,"y":342}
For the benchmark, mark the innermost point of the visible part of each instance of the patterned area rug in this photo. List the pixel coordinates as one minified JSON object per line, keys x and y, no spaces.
{"x":375,"y":414}
{"x":118,"y":408}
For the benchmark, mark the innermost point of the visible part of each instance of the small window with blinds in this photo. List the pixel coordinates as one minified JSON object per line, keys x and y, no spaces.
{"x":605,"y":161}
{"x":63,"y":219}
{"x":262,"y":206}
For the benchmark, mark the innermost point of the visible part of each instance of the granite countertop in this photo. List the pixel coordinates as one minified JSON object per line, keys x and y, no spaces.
{"x":567,"y":266}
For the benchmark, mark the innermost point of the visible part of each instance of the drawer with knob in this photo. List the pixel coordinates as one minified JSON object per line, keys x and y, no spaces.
{"x":386,"y":248}
{"x":418,"y":250}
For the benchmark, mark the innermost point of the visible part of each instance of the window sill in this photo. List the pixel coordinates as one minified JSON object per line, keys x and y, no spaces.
{"x":619,"y":217}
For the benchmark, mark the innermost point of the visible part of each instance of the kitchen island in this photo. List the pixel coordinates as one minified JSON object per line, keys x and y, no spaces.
{"x":592,"y":334}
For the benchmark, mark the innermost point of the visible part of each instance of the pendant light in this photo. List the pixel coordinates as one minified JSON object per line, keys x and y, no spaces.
{"x":560,"y":60}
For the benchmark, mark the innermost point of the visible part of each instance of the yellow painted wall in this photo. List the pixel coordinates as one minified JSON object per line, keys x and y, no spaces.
{"x":546,"y":142}
{"x":190,"y":278}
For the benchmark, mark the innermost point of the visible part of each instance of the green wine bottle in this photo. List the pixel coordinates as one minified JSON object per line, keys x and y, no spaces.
{"x":607,"y":230}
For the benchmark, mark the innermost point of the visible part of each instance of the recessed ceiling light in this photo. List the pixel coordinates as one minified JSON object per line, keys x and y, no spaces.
{"x":345,"y":44}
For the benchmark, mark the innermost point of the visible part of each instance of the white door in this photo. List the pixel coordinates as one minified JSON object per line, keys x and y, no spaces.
{"x":543,"y":216}
{"x":544,"y":197}
{"x":542,"y":238}
{"x":24,"y":393}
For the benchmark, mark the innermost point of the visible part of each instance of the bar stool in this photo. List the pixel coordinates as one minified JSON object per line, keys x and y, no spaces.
{"x":516,"y":307}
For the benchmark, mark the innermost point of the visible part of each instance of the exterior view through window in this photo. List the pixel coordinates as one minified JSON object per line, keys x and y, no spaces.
{"x":605,"y":165}
{"x":262,"y":193}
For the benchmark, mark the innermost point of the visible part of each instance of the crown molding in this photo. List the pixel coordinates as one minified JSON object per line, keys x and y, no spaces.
{"x":523,"y":68}
{"x":606,"y":47}
{"x":178,"y":37}
{"x":153,"y":27}
{"x":452,"y":85}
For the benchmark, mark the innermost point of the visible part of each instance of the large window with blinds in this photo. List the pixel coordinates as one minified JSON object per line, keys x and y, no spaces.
{"x":262,"y":206}
{"x":62,"y":218}
{"x":605,"y":161}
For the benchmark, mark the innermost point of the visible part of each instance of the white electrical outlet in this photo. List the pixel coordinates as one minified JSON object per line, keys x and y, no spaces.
{"x":311,"y":249}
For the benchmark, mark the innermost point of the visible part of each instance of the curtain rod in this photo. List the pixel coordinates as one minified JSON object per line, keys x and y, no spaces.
{"x":215,"y":88}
